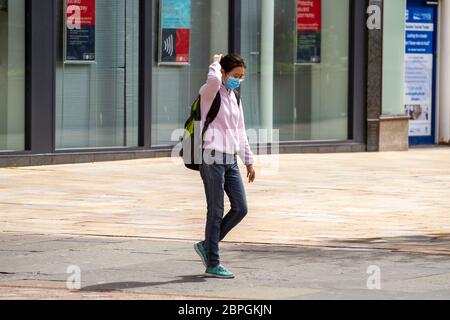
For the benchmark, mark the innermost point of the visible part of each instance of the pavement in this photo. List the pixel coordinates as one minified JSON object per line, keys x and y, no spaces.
{"x":320,"y":226}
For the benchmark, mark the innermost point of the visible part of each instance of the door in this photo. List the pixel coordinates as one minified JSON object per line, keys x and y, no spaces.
{"x":420,"y":70}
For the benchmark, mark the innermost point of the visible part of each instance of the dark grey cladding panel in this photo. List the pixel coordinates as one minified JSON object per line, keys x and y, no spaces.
{"x":374,"y":81}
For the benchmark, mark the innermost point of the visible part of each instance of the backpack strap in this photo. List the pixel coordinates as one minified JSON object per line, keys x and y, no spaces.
{"x":213,"y":112}
{"x":238,"y":97}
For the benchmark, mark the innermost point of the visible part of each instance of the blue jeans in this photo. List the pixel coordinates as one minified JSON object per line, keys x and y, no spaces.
{"x":218,"y":178}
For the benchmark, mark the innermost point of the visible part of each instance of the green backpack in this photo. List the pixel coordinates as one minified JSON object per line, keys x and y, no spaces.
{"x":192,"y":141}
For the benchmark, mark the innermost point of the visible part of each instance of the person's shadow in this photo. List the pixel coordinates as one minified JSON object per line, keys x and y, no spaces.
{"x":117,"y":286}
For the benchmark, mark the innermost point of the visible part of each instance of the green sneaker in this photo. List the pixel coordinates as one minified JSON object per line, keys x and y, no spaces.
{"x":200,"y":249}
{"x":219,"y":272}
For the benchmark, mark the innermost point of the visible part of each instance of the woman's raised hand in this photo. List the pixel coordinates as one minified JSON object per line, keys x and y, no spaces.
{"x":217,"y":58}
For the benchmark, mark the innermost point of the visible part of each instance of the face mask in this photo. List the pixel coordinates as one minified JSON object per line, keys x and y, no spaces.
{"x":232,"y":83}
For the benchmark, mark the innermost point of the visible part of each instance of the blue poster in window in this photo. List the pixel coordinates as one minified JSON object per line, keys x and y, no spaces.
{"x":176,"y":14}
{"x":419,"y":70}
{"x":175,"y":32}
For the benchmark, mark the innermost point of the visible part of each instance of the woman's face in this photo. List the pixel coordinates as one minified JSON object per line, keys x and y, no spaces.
{"x":238,"y":73}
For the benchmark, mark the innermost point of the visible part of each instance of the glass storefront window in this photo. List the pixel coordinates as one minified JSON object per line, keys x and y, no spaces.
{"x":175,"y":87}
{"x":97,"y":104}
{"x":305,"y":101}
{"x":12,"y":75}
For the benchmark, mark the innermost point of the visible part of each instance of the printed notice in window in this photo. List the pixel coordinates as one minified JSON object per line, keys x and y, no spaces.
{"x":309,"y":31}
{"x":174,"y":46}
{"x":79,"y":44}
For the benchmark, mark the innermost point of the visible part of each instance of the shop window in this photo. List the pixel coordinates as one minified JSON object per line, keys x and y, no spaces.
{"x":298,"y":75}
{"x":12,"y":75}
{"x":177,"y":77}
{"x":97,"y":76}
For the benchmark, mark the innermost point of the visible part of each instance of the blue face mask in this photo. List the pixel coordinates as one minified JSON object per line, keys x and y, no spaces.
{"x":232,"y":83}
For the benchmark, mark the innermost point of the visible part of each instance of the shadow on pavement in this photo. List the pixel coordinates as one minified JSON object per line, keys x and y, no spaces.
{"x":117,"y":286}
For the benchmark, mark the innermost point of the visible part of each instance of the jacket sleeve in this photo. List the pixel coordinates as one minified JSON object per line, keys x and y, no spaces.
{"x":245,"y":152}
{"x":209,"y":91}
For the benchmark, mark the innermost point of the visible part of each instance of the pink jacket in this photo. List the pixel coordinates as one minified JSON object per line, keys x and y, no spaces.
{"x":227,"y":132}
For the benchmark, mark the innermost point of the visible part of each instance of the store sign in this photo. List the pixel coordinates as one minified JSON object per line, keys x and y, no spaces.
{"x":419,"y":70}
{"x":80,"y":31}
{"x":309,"y":31}
{"x":175,"y":32}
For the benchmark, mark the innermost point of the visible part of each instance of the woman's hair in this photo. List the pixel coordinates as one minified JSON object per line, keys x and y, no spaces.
{"x":231,"y":61}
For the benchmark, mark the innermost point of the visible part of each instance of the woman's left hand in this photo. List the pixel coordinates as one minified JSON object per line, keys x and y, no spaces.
{"x":251,"y":173}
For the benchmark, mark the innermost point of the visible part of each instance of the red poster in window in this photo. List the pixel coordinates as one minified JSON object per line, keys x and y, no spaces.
{"x":309,"y":15}
{"x":309,"y":31}
{"x":182,"y":46}
{"x":80,"y":31}
{"x":82,"y":10}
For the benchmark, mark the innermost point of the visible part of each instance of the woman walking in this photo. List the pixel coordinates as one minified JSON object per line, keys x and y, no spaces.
{"x":224,"y":140}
